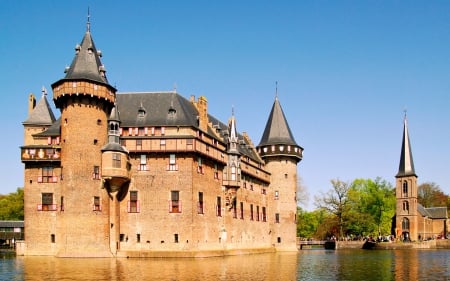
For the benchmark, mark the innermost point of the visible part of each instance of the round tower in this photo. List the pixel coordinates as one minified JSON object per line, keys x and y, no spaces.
{"x":281,"y":154}
{"x":85,"y":99}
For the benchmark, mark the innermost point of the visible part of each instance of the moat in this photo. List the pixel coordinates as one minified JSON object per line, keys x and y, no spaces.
{"x":317,"y":264}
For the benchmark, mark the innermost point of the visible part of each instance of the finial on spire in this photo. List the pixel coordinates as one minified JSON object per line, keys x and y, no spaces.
{"x":276,"y":89}
{"x":44,"y":91}
{"x":88,"y":24}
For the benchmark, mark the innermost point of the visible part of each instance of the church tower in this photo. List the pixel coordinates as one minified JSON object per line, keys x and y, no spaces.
{"x":85,"y":99}
{"x":281,"y":154}
{"x":406,"y":191}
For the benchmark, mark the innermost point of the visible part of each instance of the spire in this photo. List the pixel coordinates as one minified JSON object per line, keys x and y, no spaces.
{"x":277,"y":130}
{"x":406,"y":167}
{"x":233,"y":136}
{"x":86,"y":64}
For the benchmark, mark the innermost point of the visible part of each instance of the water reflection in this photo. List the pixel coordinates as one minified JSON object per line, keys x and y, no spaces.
{"x":305,"y":265}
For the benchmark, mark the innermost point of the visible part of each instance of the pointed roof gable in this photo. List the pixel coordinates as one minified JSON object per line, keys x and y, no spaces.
{"x":277,"y":130}
{"x":86,"y":64}
{"x":406,"y":167}
{"x":42,"y":114}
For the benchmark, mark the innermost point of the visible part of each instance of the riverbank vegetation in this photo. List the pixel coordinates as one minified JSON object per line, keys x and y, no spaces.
{"x":361,"y":208}
{"x":11,"y":206}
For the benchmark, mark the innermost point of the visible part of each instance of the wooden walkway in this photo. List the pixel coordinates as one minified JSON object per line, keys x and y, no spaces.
{"x":310,"y":244}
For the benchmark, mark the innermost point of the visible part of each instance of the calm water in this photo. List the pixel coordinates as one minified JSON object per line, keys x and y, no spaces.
{"x":305,"y":265}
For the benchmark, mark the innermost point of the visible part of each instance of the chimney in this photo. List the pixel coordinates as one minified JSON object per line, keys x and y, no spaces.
{"x":202,"y":107}
{"x":31,"y":103}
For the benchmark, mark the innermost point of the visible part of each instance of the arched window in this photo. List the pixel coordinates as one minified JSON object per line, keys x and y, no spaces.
{"x":405,"y":224}
{"x":406,"y":206}
{"x":405,"y":188}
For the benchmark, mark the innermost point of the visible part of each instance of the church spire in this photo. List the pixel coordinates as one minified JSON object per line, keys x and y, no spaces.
{"x":406,"y":167}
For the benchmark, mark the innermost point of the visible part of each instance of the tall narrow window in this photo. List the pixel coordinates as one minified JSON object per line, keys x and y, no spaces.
{"x":405,"y":224}
{"x":96,"y":206}
{"x":405,"y":206}
{"x":133,"y":204}
{"x":264,"y":217}
{"x":257,"y":213}
{"x":139,"y":144}
{"x":251,"y":212}
{"x":276,"y":195}
{"x":234,"y":208}
{"x":241,"y":211}
{"x":277,"y":218}
{"x":116,"y":160}
{"x":216,"y":171}
{"x":96,"y":173}
{"x":199,"y":165}
{"x":62,"y":203}
{"x":200,"y":203}
{"x":143,"y":163}
{"x":172,"y":163}
{"x":233,"y":173}
{"x":219,"y":207}
{"x":175,"y":203}
{"x":175,"y":238}
{"x":138,"y":238}
{"x":405,"y":188}
{"x":52,"y":238}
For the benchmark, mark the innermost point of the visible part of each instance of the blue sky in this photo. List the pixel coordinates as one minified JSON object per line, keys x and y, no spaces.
{"x":346,"y":71}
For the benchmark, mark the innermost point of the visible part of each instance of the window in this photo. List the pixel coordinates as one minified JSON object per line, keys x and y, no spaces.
{"x":47,"y":175}
{"x":62,"y":204}
{"x":116,"y":160}
{"x":52,"y":238}
{"x":405,"y":224}
{"x":162,"y":144}
{"x":200,"y":203}
{"x":241,"y":211}
{"x":233,"y":173}
{"x":47,"y":203}
{"x":174,"y":203}
{"x":172,"y":163}
{"x":133,"y":204}
{"x":264,"y":218}
{"x":96,"y":173}
{"x":175,"y":238}
{"x":199,"y":166}
{"x":405,"y":188}
{"x":276,"y":195}
{"x":219,"y":207}
{"x":277,"y":218}
{"x":141,"y":131}
{"x":251,"y":212}
{"x":263,"y":191}
{"x":216,"y":172}
{"x":405,"y":206}
{"x":143,"y":163}
{"x":96,"y":206}
{"x":139,"y":144}
{"x":138,"y":238}
{"x":234,"y":209}
{"x":257,"y":213}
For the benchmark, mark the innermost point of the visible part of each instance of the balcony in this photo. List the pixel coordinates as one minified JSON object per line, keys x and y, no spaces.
{"x":41,"y":153}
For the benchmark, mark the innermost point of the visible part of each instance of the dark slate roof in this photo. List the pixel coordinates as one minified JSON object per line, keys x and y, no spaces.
{"x":114,"y":147}
{"x":11,"y":224}
{"x":42,"y":114}
{"x":277,"y":130}
{"x":114,"y":115}
{"x":406,"y":166}
{"x":86,"y":64}
{"x":437,"y":212}
{"x":52,"y":131}
{"x":159,"y":109}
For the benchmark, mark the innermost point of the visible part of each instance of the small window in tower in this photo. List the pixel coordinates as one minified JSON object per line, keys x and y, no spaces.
{"x":251,"y":212}
{"x":241,"y":210}
{"x":276,"y":195}
{"x":96,"y":173}
{"x":96,"y":206}
{"x":175,"y":236}
{"x":143,"y":163}
{"x":219,"y":207}
{"x":116,"y":162}
{"x":52,"y":238}
{"x":277,"y":218}
{"x":264,"y":217}
{"x":138,"y":238}
{"x":175,"y":202}
{"x":99,"y":122}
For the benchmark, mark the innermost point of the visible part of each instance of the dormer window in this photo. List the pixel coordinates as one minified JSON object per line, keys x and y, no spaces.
{"x":172,"y":112}
{"x":141,"y":112}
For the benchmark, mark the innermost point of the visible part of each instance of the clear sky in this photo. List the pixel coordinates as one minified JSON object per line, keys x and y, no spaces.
{"x":346,"y":72}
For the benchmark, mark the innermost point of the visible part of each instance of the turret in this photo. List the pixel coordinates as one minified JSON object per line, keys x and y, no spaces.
{"x":232,"y":173}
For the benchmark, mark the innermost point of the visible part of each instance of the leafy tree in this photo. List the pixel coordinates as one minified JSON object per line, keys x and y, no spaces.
{"x":335,"y":202}
{"x":374,"y":203}
{"x":431,"y":195}
{"x":308,"y":223}
{"x":11,"y":206}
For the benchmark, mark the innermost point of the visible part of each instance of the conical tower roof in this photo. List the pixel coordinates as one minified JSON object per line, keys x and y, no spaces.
{"x":277,"y":130}
{"x":42,"y":114}
{"x":406,"y":167}
{"x":86,"y":65}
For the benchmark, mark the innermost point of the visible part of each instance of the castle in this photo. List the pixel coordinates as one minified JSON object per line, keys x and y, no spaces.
{"x":151,"y":174}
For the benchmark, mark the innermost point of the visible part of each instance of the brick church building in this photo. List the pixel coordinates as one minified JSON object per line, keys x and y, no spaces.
{"x":151,"y":174}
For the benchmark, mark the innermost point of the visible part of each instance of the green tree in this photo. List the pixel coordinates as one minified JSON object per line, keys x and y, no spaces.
{"x":308,"y":223}
{"x":374,"y":202}
{"x":11,"y":206}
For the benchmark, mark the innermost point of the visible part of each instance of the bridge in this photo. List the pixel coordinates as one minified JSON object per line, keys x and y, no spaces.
{"x":308,"y":244}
